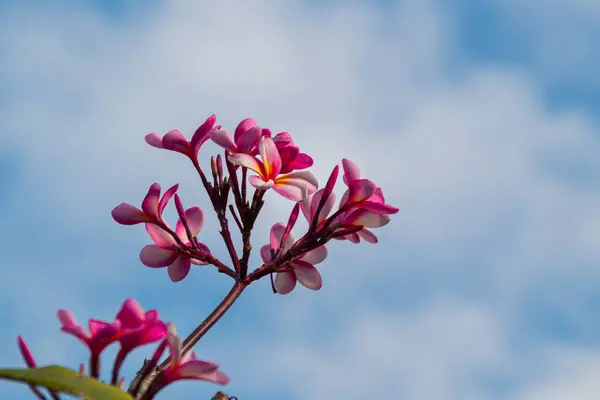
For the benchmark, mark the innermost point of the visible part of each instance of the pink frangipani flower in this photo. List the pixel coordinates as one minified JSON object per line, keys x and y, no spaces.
{"x":294,"y":186}
{"x":187,"y":366}
{"x":141,"y":327}
{"x":175,"y":141}
{"x":302,"y":269}
{"x":245,"y":139}
{"x":166,"y":252}
{"x":152,"y":207}
{"x":291,"y":158}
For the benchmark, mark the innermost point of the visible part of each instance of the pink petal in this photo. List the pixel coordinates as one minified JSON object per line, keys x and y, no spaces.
{"x":222,"y":138}
{"x":244,"y":126}
{"x":131,"y":314}
{"x":276,"y":234}
{"x":283,"y":139}
{"x":174,"y":344}
{"x":265,"y":253}
{"x":195,"y":219}
{"x":196,"y":369}
{"x":315,"y":256}
{"x":379,"y":207}
{"x":126,"y":214}
{"x":160,"y":236}
{"x":154,"y":256}
{"x":301,"y":161}
{"x":154,"y":140}
{"x":304,"y":176}
{"x":284,"y":282}
{"x":248,"y":161}
{"x":351,"y":171}
{"x":248,"y":141}
{"x":219,"y":377}
{"x":305,"y":206}
{"x":179,"y":269}
{"x":361,"y":189}
{"x":101,"y":330}
{"x":367,"y":235}
{"x":150,"y":202}
{"x":270,"y":157}
{"x":353,"y":238}
{"x":175,"y":141}
{"x":258,"y":183}
{"x":202,"y":134}
{"x":166,"y":197}
{"x":291,"y":190}
{"x":307,"y":275}
{"x":327,"y":206}
{"x":368,"y":219}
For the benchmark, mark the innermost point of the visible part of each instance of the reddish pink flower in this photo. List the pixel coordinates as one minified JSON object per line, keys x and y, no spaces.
{"x":101,"y":333}
{"x":294,"y":186}
{"x":152,"y":207}
{"x":291,"y":158}
{"x":310,"y":204}
{"x":302,"y":269}
{"x":166,"y":252}
{"x":140,"y":327}
{"x":365,"y":205}
{"x":187,"y":366}
{"x":175,"y":141}
{"x":245,"y":139}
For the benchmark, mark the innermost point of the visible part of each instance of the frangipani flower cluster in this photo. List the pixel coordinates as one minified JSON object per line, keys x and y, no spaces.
{"x":253,"y":160}
{"x":132,"y":328}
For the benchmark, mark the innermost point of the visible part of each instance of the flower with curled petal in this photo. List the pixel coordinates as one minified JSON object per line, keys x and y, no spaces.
{"x":245,"y":139}
{"x":152,"y":207}
{"x":294,"y":186}
{"x":175,"y":141}
{"x":167,"y":252}
{"x":291,"y":158}
{"x":186,"y":366}
{"x":300,"y":270}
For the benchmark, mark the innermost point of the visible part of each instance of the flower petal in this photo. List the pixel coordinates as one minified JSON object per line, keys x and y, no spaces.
{"x":351,"y":171}
{"x":195,"y":219}
{"x":301,"y":161}
{"x":196,"y":369}
{"x":276,"y":234}
{"x":270,"y":157}
{"x":154,"y":256}
{"x":248,"y":161}
{"x":150,"y":202}
{"x":284,"y":282}
{"x":368,"y":219}
{"x":291,"y":190}
{"x":131,"y":314}
{"x":244,"y":126}
{"x":380,"y":208}
{"x":166,"y":197}
{"x":126,"y":214}
{"x":222,"y":138}
{"x":154,"y":140}
{"x":361,"y":189}
{"x":179,"y":269}
{"x":259,"y":184}
{"x":160,"y":236}
{"x":315,"y":256}
{"x":301,"y":176}
{"x":307,"y":275}
{"x":175,"y":141}
{"x":248,"y":141}
{"x":174,"y":345}
{"x":367,"y":235}
{"x":265,"y":253}
{"x":202,"y":134}
{"x":69,"y":325}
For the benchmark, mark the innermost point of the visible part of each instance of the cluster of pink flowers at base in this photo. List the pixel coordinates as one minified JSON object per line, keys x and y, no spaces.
{"x":133,"y":328}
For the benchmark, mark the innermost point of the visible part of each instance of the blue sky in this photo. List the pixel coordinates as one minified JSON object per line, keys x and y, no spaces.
{"x":479,"y":120}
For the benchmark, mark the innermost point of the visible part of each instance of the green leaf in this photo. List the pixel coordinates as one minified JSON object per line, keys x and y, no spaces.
{"x":60,"y":379}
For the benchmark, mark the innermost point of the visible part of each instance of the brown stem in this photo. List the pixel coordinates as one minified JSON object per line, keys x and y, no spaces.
{"x":212,"y":319}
